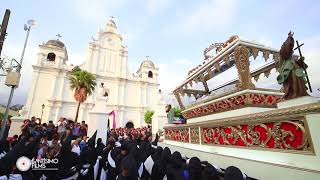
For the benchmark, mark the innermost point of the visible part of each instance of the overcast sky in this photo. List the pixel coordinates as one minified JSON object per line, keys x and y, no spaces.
{"x":173,"y":33}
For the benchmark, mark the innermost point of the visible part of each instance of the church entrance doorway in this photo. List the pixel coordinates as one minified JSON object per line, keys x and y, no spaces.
{"x":129,"y":125}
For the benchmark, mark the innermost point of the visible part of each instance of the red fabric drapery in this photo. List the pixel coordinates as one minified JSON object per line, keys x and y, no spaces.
{"x":113,"y":114}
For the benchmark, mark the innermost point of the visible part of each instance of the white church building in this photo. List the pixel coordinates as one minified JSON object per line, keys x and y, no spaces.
{"x":130,"y":95}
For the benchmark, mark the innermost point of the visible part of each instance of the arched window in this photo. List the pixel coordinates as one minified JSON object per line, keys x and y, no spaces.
{"x":150,"y":74}
{"x":51,"y":57}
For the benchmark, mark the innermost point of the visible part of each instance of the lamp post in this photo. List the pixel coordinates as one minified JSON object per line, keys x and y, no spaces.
{"x":27,"y":28}
{"x":42,"y":108}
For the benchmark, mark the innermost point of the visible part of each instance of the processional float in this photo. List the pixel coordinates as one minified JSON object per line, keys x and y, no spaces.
{"x":261,"y":130}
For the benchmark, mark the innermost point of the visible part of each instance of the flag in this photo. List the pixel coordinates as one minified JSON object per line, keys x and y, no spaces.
{"x":112,"y":113}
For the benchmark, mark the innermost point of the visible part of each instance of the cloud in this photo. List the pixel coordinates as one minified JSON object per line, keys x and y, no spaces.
{"x":210,"y":16}
{"x":186,"y":62}
{"x":173,"y":73}
{"x":76,"y":58}
{"x":96,"y":11}
{"x":312,"y":56}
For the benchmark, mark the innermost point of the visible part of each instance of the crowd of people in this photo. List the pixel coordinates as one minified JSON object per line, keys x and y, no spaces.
{"x":128,"y":154}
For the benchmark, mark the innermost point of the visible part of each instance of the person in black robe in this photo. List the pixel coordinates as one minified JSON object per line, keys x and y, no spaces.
{"x":8,"y":162}
{"x":112,"y":169}
{"x":68,"y":161}
{"x":129,"y":168}
{"x":194,"y":168}
{"x":4,"y":147}
{"x":175,"y":170}
{"x":88,"y":159}
{"x":100,"y":146}
{"x":155,"y":156}
{"x":159,"y":169}
{"x":209,"y":172}
{"x":124,"y":151}
{"x":233,"y":173}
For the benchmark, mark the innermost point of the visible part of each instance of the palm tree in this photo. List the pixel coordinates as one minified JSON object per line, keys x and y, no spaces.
{"x":83,"y":83}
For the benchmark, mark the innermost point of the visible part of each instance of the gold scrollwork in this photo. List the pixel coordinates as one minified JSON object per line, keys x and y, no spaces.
{"x":266,"y":55}
{"x":241,"y":55}
{"x":255,"y":52}
{"x":194,"y":135}
{"x":276,"y":135}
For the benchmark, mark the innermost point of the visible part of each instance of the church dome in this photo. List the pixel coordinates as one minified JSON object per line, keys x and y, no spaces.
{"x":148,"y":63}
{"x":55,"y":43}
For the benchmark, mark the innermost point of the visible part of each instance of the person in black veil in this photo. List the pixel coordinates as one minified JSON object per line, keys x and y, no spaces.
{"x":194,"y":168}
{"x":8,"y":162}
{"x":88,"y":159}
{"x":68,"y":161}
{"x":112,"y":169}
{"x":157,"y":155}
{"x":124,"y":151}
{"x":175,"y":169}
{"x":233,"y":173}
{"x":4,"y":147}
{"x":209,"y":172}
{"x":129,"y":168}
{"x":4,"y":143}
{"x":149,"y":162}
{"x":159,"y":169}
{"x":100,"y":146}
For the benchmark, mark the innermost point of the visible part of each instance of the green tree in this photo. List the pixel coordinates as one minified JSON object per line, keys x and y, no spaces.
{"x":148,"y":116}
{"x":83,"y":83}
{"x":177,"y":112}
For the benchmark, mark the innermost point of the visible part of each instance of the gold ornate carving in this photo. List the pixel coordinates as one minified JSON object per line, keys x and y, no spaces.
{"x":217,"y":66}
{"x":287,"y":135}
{"x":267,"y":73}
{"x":194,"y":135}
{"x":266,"y":55}
{"x":256,"y":78}
{"x":255,"y":52}
{"x":227,"y":59}
{"x":241,"y":54}
{"x":273,"y":115}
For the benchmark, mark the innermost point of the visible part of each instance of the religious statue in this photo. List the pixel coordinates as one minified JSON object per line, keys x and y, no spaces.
{"x":292,"y":72}
{"x":170,"y":114}
{"x":102,"y":93}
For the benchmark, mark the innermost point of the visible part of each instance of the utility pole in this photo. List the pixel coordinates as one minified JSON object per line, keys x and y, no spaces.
{"x":4,"y":25}
{"x":13,"y":77}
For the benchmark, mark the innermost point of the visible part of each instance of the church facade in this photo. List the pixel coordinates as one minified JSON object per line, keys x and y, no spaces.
{"x":129,"y":95}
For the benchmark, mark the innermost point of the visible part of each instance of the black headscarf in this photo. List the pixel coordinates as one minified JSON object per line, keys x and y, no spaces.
{"x":157,"y":155}
{"x":233,"y":173}
{"x":129,"y":165}
{"x":4,"y":146}
{"x":100,"y":146}
{"x":209,"y":173}
{"x":159,"y":169}
{"x":92,"y":140}
{"x":194,"y":168}
{"x":175,"y":170}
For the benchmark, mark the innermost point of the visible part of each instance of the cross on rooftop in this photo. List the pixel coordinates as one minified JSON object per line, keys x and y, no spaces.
{"x":59,"y":36}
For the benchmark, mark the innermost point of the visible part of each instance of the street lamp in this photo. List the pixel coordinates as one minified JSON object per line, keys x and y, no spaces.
{"x":42,"y":108}
{"x":13,"y":78}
